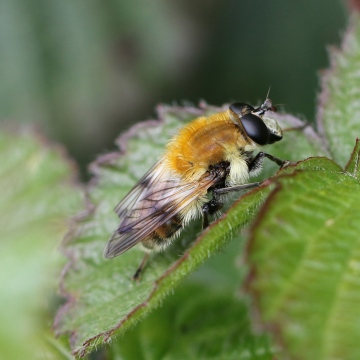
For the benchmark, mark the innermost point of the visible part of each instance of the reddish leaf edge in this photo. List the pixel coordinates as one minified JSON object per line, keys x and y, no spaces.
{"x":353,"y":5}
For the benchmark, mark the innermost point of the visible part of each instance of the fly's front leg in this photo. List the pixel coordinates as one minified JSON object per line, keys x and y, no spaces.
{"x":256,"y":162}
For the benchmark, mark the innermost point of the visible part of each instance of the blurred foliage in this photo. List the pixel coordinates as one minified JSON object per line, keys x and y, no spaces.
{"x":89,"y":69}
{"x":338,"y":112}
{"x":38,"y":198}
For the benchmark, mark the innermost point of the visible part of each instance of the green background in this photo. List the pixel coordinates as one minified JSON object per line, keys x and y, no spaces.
{"x":87,"y":70}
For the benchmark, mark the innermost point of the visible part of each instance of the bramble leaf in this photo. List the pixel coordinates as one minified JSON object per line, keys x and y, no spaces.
{"x":304,"y":255}
{"x":103,"y":301}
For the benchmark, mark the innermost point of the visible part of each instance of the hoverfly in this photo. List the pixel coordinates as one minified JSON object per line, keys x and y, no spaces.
{"x":209,"y":157}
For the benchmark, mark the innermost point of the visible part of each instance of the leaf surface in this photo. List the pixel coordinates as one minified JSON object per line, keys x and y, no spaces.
{"x":304,"y":256}
{"x":103,"y":301}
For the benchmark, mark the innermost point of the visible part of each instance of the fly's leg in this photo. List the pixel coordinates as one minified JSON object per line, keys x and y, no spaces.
{"x":214,"y":205}
{"x":220,"y":171}
{"x":253,"y":166}
{"x":139,"y":270}
{"x":256,"y":162}
{"x":210,"y":208}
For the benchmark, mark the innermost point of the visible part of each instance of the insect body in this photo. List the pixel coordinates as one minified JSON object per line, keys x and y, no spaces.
{"x":210,"y":155}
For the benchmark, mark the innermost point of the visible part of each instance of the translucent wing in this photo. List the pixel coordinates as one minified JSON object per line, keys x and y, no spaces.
{"x":155,"y":199}
{"x":139,"y":191}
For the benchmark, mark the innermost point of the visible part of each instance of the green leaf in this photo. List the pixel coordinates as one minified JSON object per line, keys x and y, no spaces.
{"x":352,"y":167}
{"x":304,"y":255}
{"x":197,"y":323}
{"x":339,"y":102}
{"x":38,"y":196}
{"x":103,"y":301}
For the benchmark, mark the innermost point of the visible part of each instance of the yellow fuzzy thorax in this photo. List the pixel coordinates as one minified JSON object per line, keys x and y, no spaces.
{"x":207,"y":141}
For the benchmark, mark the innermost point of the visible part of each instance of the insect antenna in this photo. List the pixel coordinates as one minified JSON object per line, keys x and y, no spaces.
{"x":300,"y":127}
{"x":268,"y":93}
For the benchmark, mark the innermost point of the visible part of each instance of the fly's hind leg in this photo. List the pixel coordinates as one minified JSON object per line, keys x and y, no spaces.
{"x":160,"y":238}
{"x":139,"y":270}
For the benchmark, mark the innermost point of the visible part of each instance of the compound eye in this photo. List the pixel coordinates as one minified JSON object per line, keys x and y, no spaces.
{"x":274,"y":138}
{"x":240,"y":108}
{"x":255,"y":128}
